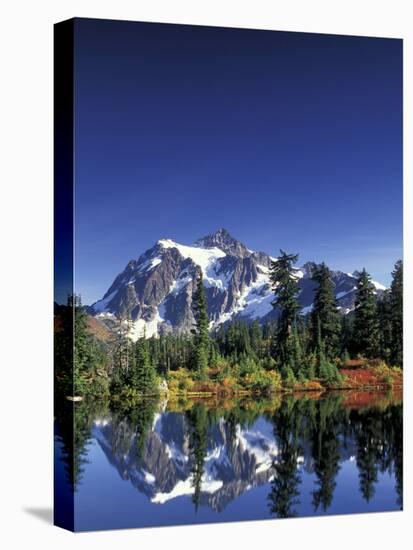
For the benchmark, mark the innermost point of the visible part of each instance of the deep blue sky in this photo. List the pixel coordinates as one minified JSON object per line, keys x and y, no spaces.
{"x":286,"y":139}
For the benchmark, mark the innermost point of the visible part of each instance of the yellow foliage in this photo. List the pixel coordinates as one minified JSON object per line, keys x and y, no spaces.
{"x":180,"y":381}
{"x":262,"y":380}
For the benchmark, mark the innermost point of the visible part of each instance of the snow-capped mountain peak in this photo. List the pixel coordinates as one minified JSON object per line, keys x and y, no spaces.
{"x":223,"y":240}
{"x":205,"y":258}
{"x":157,"y":289}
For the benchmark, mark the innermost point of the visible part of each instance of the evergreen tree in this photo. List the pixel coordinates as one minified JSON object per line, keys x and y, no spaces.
{"x":346,"y":337}
{"x":325,"y":312}
{"x":366,"y":325}
{"x":80,"y":360}
{"x":297,"y":354}
{"x":201,"y":329}
{"x":285,"y":286}
{"x":142,"y":376}
{"x":396,"y":301}
{"x":63,"y":348}
{"x":80,"y":348}
{"x":326,"y":370}
{"x":220,"y":338}
{"x":256,"y":338}
{"x":120,"y":347}
{"x":84,"y":350}
{"x":384,"y":312}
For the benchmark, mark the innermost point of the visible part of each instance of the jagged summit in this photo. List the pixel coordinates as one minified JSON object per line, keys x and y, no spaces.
{"x":225,"y":241}
{"x":220,"y":235}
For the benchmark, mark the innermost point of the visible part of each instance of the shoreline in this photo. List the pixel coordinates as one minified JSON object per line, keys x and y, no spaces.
{"x":179,"y":386}
{"x":283,"y":391}
{"x":222,"y":395}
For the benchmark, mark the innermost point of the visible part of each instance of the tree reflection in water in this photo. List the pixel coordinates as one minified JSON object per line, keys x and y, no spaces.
{"x":327,"y":427}
{"x":306,"y":436}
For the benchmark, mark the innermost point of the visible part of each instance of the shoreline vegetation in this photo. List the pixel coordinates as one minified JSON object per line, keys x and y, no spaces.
{"x":319,"y":352}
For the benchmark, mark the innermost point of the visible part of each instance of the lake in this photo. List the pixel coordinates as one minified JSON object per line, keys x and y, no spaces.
{"x":206,"y":461}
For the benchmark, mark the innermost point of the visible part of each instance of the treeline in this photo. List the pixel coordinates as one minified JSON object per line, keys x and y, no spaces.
{"x":85,"y":366}
{"x":298,"y":347}
{"x":312,"y":346}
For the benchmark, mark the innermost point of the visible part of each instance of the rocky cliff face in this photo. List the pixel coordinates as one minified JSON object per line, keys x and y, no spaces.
{"x":157,"y":289}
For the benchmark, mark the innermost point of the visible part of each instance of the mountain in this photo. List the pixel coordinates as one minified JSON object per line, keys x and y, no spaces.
{"x":157,"y":289}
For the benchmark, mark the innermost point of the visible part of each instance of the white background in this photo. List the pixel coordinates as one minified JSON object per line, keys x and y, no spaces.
{"x":26,"y":270}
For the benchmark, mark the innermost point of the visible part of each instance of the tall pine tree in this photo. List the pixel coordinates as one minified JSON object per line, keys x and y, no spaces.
{"x":285,"y":286}
{"x":84,"y":351}
{"x":142,"y":376}
{"x":201,"y":329}
{"x":325,"y":312}
{"x":384,"y":311}
{"x":396,"y":303}
{"x":366,"y":324}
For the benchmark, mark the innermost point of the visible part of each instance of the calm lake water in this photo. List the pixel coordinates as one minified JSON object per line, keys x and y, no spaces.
{"x":179,"y":463}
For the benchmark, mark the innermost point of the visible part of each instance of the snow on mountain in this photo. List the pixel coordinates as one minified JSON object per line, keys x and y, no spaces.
{"x":378,"y":286}
{"x":157,"y":290}
{"x":101,"y":306}
{"x":344,"y":293}
{"x":205,"y":258}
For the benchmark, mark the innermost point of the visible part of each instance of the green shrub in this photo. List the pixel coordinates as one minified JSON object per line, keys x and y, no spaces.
{"x":247,"y":366}
{"x":289,"y":378}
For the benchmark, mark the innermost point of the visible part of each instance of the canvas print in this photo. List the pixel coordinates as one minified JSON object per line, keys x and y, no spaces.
{"x":228,"y":274}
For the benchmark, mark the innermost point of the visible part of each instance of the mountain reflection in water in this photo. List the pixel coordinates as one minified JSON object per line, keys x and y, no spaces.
{"x":196,"y":462}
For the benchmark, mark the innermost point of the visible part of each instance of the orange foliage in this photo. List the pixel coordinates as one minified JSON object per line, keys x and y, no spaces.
{"x":371,"y":377}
